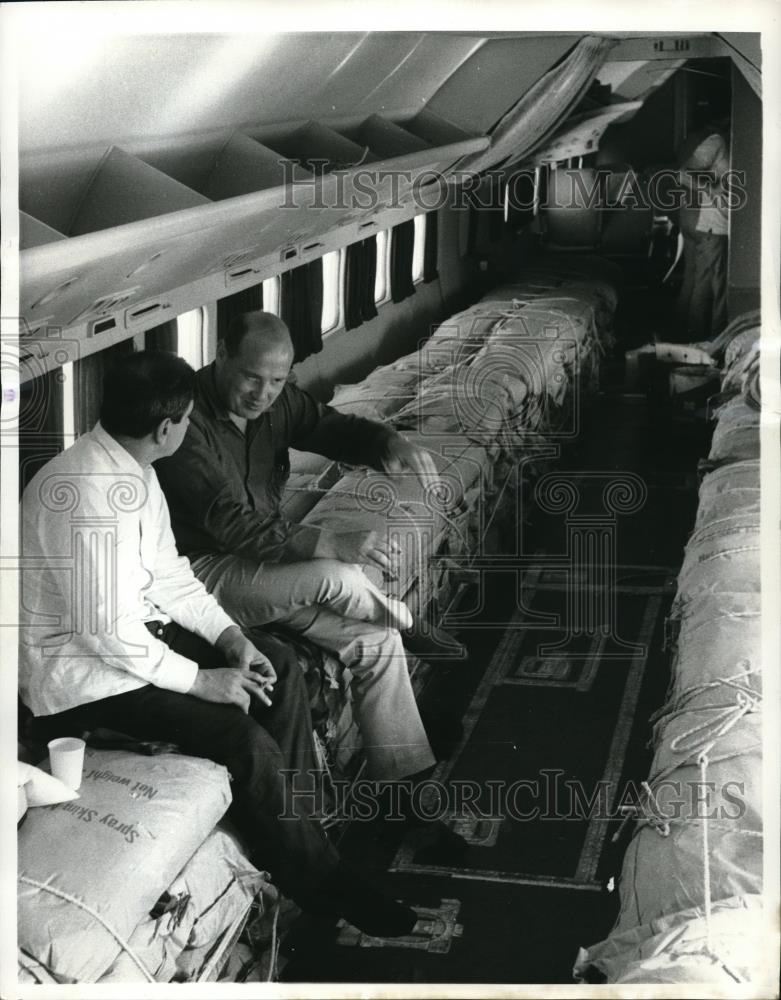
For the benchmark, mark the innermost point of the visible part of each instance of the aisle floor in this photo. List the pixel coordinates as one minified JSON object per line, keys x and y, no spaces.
{"x":544,"y":695}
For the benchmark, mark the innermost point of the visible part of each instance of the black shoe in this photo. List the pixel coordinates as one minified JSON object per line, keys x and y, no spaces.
{"x":444,"y":731}
{"x":430,"y":643}
{"x":346,"y":893}
{"x":440,"y":845}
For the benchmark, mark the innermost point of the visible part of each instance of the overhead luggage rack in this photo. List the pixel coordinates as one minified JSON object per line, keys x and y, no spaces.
{"x":128,"y":215}
{"x":386,"y":138}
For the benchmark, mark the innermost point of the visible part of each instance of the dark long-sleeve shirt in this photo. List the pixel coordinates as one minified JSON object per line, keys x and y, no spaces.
{"x":224,"y":487}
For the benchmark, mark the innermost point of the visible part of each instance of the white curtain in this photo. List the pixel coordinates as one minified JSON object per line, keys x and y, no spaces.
{"x":542,"y":109}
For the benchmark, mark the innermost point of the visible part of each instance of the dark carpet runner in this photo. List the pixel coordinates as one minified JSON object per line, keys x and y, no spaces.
{"x":566,"y":666}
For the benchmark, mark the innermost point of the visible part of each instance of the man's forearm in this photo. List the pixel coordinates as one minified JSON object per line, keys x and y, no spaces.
{"x":227,"y":637}
{"x":348,"y":438}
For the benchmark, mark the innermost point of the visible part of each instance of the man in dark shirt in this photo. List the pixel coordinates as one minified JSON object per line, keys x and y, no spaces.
{"x":224,"y":487}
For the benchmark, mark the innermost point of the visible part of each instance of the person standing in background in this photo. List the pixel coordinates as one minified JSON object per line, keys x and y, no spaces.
{"x":701,"y":311}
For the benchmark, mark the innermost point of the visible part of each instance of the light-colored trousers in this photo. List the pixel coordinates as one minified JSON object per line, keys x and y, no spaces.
{"x":337,"y":607}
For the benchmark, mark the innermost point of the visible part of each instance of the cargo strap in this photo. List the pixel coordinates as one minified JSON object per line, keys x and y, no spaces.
{"x":96,"y":916}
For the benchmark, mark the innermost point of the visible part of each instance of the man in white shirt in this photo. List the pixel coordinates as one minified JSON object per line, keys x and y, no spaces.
{"x":702,"y":303}
{"x":117,"y":632}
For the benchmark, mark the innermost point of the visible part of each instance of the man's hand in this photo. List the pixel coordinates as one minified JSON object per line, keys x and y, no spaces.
{"x":281,"y":654}
{"x":366,"y":547}
{"x":240,"y":653}
{"x":402,"y":455}
{"x":230,"y":686}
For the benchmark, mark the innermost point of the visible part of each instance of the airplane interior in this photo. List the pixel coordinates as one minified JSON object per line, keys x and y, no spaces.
{"x":490,"y":244}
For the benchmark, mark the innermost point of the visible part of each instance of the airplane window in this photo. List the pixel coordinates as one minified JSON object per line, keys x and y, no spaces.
{"x":418,"y":252}
{"x":68,"y":405}
{"x":331,"y":291}
{"x":190,"y":337}
{"x":271,"y":295}
{"x":381,"y":275}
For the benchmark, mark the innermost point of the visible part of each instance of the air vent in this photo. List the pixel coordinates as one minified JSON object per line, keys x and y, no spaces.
{"x":103,"y":326}
{"x":239,"y":274}
{"x":147,"y":314}
{"x":25,"y":357}
{"x":144,"y":312}
{"x":312,"y":246}
{"x":105,"y":304}
{"x":367,"y":225}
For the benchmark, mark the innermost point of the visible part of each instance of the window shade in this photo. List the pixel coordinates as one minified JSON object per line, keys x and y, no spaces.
{"x":163,"y":337}
{"x":89,"y":374}
{"x":302,"y":307}
{"x":247,"y":300}
{"x":40,"y":424}
{"x":402,"y":246}
{"x":431,"y":250}
{"x":360,"y":276}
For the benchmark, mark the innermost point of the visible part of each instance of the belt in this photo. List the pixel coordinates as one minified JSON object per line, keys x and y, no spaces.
{"x":156,"y":627}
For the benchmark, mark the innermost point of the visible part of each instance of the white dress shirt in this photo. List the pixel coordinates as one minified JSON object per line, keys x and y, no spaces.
{"x":98,"y":559}
{"x":712,"y":155}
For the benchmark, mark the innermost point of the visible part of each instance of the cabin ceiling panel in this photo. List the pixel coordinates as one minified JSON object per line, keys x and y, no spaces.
{"x":745,"y":43}
{"x":128,"y":89}
{"x":580,"y":135}
{"x":492,"y":79}
{"x":631,"y":81}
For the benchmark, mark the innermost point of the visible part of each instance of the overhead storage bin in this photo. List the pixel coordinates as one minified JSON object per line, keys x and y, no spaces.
{"x":317,"y":148}
{"x":434,"y":130}
{"x":33,"y":232}
{"x":385,"y":138}
{"x":125,"y":189}
{"x":245,"y":165}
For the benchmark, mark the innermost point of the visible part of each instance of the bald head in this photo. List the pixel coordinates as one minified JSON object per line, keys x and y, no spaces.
{"x":253,"y":363}
{"x":265,"y":328}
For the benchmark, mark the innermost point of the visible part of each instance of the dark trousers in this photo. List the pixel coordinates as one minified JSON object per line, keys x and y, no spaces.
{"x":255,"y":748}
{"x":703,"y":299}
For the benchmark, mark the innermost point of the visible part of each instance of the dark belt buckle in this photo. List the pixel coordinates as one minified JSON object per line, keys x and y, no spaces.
{"x":155,"y":627}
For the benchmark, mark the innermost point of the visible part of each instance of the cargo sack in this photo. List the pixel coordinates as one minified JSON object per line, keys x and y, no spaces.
{"x":379,"y":395}
{"x":729,"y":492}
{"x":91,"y":869}
{"x":187,"y":928}
{"x":736,"y":435}
{"x":674,"y":949}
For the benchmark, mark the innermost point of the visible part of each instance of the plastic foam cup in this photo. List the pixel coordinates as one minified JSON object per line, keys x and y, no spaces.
{"x":66,"y":757}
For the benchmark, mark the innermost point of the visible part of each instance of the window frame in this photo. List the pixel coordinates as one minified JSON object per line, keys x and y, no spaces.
{"x":272,"y":294}
{"x":68,"y":404}
{"x":339,"y":304}
{"x":383,"y":261}
{"x":419,"y":249}
{"x":197,"y":358}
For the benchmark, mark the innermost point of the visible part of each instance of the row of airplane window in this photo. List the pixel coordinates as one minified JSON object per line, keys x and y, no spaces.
{"x":192,"y":327}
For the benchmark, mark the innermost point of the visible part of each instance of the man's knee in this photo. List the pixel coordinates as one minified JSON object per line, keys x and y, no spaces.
{"x":336,"y":579}
{"x":375,"y":645}
{"x":251,"y":748}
